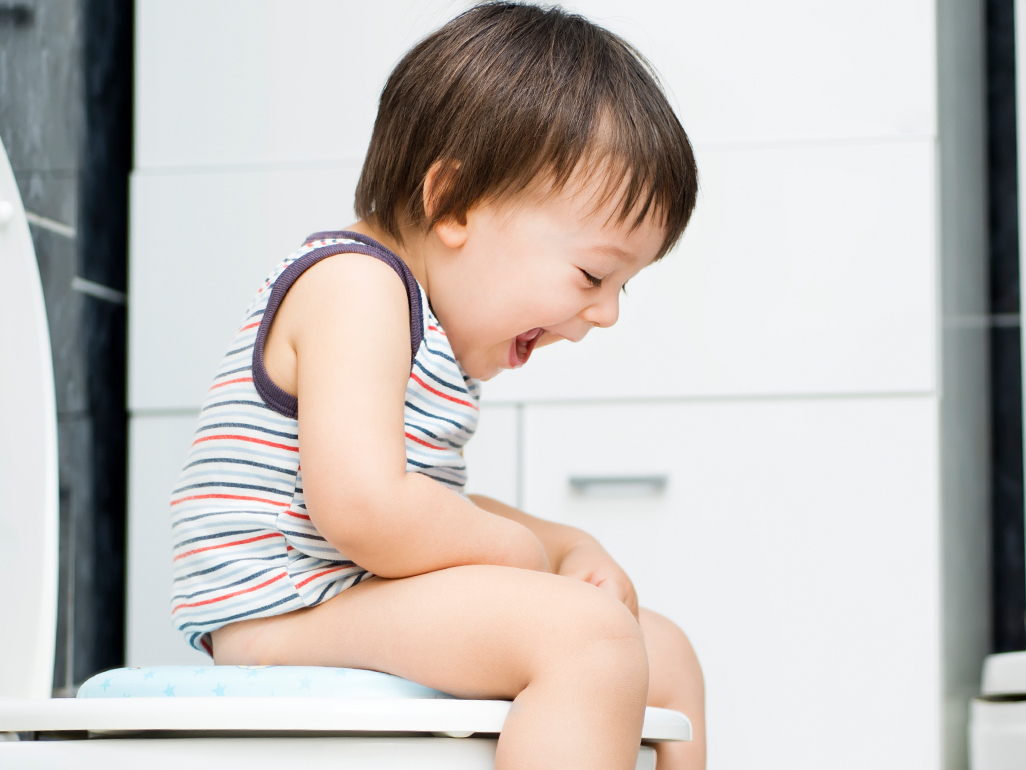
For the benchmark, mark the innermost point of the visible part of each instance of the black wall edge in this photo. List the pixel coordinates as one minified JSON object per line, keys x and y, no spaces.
{"x":106,"y":161}
{"x":1009,"y":543}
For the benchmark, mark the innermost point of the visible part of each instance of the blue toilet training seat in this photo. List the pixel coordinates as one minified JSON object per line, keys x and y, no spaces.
{"x":252,"y":682}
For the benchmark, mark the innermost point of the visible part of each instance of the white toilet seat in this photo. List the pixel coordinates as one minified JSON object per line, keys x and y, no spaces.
{"x":262,"y":717}
{"x":195,"y":717}
{"x":258,"y":733}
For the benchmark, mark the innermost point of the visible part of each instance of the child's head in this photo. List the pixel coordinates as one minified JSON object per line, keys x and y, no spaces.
{"x":542,"y":122}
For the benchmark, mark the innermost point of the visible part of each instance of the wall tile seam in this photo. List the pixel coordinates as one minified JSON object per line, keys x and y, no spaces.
{"x":257,"y":166}
{"x":195,"y":169}
{"x":157,"y":412}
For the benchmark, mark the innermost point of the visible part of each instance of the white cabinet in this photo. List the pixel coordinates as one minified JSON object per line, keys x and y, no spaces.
{"x":493,"y":457}
{"x":797,"y":544}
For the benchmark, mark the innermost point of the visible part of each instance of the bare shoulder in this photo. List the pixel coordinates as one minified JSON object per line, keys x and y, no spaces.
{"x":347,"y":283}
{"x":332,"y":302}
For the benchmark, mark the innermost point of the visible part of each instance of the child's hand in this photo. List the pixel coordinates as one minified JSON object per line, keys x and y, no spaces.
{"x":588,"y":561}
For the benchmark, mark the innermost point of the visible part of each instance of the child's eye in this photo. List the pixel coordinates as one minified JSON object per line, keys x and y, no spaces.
{"x":591,"y":278}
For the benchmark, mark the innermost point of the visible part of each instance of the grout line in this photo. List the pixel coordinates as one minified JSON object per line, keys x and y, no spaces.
{"x":50,"y":224}
{"x":881,"y":395}
{"x":99,"y":291}
{"x":520,"y":404}
{"x":244,"y":168}
{"x":520,"y":457}
{"x":981,"y":321}
{"x":170,"y":412}
{"x":812,"y":142}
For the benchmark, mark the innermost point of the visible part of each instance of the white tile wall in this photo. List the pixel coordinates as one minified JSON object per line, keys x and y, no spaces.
{"x":807,"y":269}
{"x":751,"y":71}
{"x":157,"y":449}
{"x":796,"y":543}
{"x":227,"y":82}
{"x":272,"y":81}
{"x":201,"y":244}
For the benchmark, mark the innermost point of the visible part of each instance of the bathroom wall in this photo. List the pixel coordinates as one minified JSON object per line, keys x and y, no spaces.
{"x":65,"y":89}
{"x":784,"y":439}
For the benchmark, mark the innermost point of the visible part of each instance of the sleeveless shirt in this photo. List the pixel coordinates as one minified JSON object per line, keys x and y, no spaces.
{"x":243,"y":542}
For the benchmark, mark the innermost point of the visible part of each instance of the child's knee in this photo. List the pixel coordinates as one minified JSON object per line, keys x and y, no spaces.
{"x":596,"y":633}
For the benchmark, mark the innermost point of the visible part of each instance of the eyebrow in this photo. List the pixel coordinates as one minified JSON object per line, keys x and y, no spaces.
{"x":614,"y":251}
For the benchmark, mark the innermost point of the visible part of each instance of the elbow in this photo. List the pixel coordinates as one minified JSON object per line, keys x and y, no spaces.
{"x":356,"y":525}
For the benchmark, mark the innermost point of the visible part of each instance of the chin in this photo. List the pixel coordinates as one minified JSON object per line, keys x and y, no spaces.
{"x":486,"y":376}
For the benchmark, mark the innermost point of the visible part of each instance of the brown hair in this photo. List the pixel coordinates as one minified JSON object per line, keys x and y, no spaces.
{"x":507,"y":91}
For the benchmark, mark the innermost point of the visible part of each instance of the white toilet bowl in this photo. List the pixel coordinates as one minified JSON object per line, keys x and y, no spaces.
{"x":997,"y":719}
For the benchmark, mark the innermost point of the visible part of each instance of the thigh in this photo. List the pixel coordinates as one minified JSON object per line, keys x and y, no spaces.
{"x":475,"y":632}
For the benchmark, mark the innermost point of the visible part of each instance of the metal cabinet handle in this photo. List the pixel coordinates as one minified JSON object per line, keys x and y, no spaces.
{"x":619,"y":486}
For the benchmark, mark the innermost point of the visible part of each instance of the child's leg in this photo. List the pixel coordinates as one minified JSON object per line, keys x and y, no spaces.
{"x":570,"y":654}
{"x":675,"y":683}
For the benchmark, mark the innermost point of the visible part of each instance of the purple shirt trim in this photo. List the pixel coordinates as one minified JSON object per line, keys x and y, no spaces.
{"x":276,"y":398}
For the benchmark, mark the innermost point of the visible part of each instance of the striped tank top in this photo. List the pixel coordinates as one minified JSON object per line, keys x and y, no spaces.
{"x":243,"y":543}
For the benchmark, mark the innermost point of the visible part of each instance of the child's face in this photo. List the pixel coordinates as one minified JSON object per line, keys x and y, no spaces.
{"x":523,"y":274}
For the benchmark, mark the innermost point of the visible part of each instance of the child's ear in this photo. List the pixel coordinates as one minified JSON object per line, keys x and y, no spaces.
{"x":451,"y":231}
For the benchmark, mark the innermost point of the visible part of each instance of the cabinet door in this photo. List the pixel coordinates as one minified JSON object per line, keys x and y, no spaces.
{"x":493,"y":462}
{"x":805,"y":270}
{"x":795,"y":542}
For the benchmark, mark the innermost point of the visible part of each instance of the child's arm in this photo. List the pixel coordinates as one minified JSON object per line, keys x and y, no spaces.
{"x":346,"y":322}
{"x":571,"y":551}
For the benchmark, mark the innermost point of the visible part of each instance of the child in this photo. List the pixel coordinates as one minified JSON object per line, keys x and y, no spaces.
{"x":524,"y":165}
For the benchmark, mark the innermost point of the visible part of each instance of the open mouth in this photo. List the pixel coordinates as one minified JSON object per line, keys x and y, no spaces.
{"x":521,"y":347}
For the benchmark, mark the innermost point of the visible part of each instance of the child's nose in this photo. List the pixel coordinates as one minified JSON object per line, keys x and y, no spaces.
{"x":605,"y":311}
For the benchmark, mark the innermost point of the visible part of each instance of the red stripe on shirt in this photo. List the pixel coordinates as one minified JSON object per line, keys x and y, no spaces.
{"x":226,"y":545}
{"x":230,"y":497}
{"x":297,"y":515}
{"x":229,"y":382}
{"x":247,"y":438}
{"x":228,"y":596}
{"x":302,"y":583}
{"x":422,"y":441}
{"x":249,"y":326}
{"x":440,"y":393}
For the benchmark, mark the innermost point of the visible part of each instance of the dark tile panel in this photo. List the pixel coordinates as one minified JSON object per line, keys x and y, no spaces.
{"x":1008,"y":539}
{"x":1008,"y":542}
{"x":57,"y":257}
{"x":75,"y":443}
{"x":40,"y":87}
{"x":100,"y":636}
{"x":51,"y":194}
{"x":107,"y":156}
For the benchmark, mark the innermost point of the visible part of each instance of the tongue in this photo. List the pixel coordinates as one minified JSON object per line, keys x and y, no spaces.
{"x":523,"y":345}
